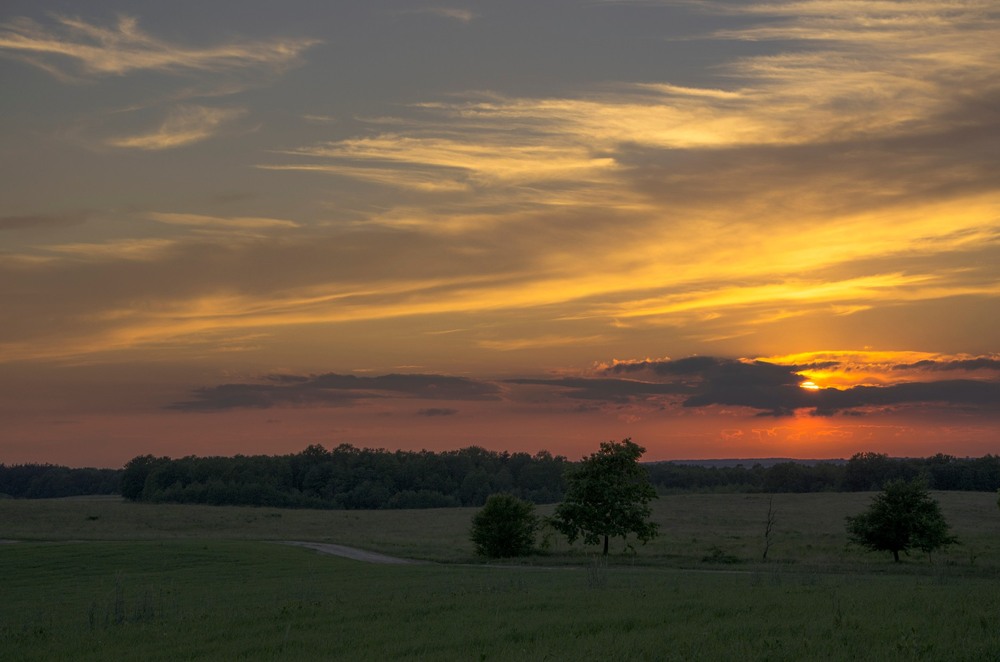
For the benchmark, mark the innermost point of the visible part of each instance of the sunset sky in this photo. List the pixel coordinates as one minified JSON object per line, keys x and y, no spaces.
{"x":724,"y":229}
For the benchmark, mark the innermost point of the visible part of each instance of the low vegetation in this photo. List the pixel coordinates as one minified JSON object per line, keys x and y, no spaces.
{"x":241,"y":600}
{"x":103,"y":578}
{"x":505,"y":527}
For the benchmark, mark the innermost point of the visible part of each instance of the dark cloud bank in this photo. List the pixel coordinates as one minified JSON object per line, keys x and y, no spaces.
{"x":701,"y":381}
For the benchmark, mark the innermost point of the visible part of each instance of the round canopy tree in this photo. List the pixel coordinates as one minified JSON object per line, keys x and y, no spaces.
{"x":607,"y":496}
{"x":902,"y":517}
{"x":504,"y":527}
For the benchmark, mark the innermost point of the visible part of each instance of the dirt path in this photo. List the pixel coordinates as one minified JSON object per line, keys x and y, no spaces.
{"x":351,"y":553}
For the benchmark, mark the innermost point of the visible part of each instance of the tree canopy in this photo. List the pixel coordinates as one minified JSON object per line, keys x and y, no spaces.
{"x":902,"y":517}
{"x":607,"y":496}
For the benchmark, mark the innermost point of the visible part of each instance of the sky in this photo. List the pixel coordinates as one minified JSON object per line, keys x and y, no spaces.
{"x":723,"y":229}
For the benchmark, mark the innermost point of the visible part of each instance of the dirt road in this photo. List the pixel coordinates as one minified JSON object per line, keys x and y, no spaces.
{"x":351,"y":553}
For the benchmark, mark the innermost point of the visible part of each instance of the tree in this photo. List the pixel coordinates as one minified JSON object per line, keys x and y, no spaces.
{"x":607,"y":496}
{"x":902,"y":517}
{"x":504,"y":527}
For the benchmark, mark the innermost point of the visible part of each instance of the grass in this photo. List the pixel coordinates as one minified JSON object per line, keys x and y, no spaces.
{"x":98,"y":579}
{"x":808,"y":531}
{"x":171,"y":600}
{"x":440,"y":534}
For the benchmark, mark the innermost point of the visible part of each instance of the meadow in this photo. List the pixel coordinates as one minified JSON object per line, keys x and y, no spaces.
{"x":106,"y":579}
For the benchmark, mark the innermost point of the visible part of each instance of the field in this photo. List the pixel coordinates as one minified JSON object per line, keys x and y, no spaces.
{"x":102,"y":579}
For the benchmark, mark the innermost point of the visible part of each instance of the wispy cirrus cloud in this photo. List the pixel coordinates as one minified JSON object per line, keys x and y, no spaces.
{"x":459,"y":14}
{"x":881,"y":70}
{"x":42,"y":221}
{"x":67,"y":46}
{"x":454,"y":162}
{"x":184,"y":125}
{"x":209,"y":223}
{"x":779,"y":157}
{"x":797,"y":185}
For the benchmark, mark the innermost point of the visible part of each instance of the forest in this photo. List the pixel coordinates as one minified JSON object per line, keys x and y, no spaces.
{"x":347,"y":477}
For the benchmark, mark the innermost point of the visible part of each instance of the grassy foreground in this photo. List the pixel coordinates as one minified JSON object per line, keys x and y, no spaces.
{"x":244,"y":600}
{"x":809,"y":528}
{"x":102,"y":579}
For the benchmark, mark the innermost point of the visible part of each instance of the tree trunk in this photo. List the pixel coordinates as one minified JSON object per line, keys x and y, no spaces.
{"x":895,"y":555}
{"x":605,"y":544}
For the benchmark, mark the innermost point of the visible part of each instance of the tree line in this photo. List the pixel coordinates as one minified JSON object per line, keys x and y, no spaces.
{"x":48,"y":481}
{"x":863,"y":472}
{"x":349,"y":477}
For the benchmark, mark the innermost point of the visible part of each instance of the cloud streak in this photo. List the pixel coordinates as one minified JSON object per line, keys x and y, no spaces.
{"x":68,"y":46}
{"x":665,"y":385}
{"x":671,"y":213}
{"x":452,"y":13}
{"x":42,"y":221}
{"x":775,"y":390}
{"x":184,"y":125}
{"x":877,"y":130}
{"x":331,"y":390}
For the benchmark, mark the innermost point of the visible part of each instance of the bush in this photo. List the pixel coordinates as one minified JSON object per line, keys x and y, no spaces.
{"x":504,"y":527}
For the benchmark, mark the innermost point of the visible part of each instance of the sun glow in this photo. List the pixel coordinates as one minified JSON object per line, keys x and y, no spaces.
{"x":809,"y":386}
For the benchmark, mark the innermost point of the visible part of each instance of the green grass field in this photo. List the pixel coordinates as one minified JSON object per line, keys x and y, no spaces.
{"x":100,"y":579}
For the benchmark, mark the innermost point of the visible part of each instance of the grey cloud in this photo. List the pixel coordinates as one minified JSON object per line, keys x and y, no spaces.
{"x":772,"y":390}
{"x":980,"y":363}
{"x":259,"y":396}
{"x":124,"y":48}
{"x":968,"y":392}
{"x":699,"y":380}
{"x":433,"y":387}
{"x":784,"y":399}
{"x":437,"y":411}
{"x":332,"y":389}
{"x":41,"y":221}
{"x":718,"y":371}
{"x":611,"y":390}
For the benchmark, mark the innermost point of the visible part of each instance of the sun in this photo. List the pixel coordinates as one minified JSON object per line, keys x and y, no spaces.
{"x":809,"y":386}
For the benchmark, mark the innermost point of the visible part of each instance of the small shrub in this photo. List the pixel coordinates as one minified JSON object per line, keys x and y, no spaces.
{"x":504,"y":527}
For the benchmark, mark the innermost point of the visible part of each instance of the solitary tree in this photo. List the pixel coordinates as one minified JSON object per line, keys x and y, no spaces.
{"x":902,"y":517}
{"x":504,"y":527}
{"x":607,"y":496}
